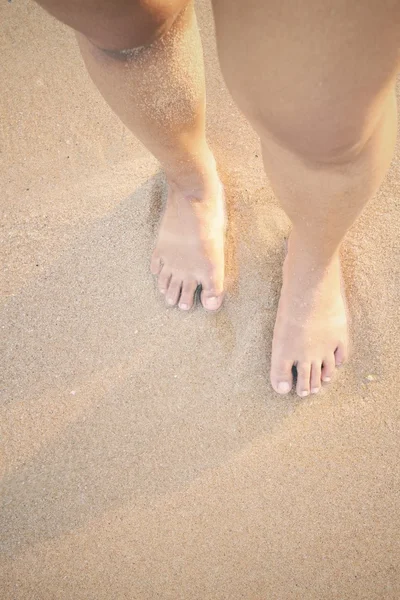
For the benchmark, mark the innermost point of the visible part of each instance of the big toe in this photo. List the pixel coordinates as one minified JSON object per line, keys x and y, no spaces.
{"x":164,"y":279}
{"x":341,"y":354}
{"x":211,"y":299}
{"x":281,"y":377}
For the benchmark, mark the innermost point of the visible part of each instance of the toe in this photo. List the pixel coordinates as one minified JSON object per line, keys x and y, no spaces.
{"x":303,"y":379}
{"x":212,"y":294}
{"x":281,"y":377}
{"x":328,"y":368}
{"x":340,"y":355}
{"x":155,"y":265}
{"x":187,"y":295}
{"x":211,"y":298}
{"x":315,"y":379}
{"x":211,"y":303}
{"x":164,"y":279}
{"x":174,"y":291}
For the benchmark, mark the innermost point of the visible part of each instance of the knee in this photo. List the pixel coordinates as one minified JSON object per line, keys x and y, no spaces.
{"x":120,"y":25}
{"x":321,"y":139}
{"x":329,"y":135}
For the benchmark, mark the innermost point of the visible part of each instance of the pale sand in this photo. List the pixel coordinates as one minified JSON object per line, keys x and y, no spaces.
{"x":144,"y":454}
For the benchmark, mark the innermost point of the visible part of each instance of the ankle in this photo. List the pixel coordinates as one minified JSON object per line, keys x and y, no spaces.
{"x":309,"y":268}
{"x":318,"y":251}
{"x":195,"y":177}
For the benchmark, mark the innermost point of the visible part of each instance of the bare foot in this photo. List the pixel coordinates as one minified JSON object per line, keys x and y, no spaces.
{"x":190,"y":246}
{"x":311,"y":325}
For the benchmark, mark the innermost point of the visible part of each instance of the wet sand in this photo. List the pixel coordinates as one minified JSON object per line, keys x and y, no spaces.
{"x":144,"y":454}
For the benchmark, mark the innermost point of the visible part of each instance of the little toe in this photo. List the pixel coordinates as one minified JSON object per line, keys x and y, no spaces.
{"x":328,"y":368}
{"x":303,"y":379}
{"x":187,"y":296}
{"x":155,"y":264}
{"x":315,"y":380}
{"x":211,"y":300}
{"x":281,"y":377}
{"x":174,"y":291}
{"x":163,"y":280}
{"x":340,"y":355}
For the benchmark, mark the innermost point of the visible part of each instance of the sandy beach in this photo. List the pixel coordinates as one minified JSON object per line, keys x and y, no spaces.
{"x":144,"y":454}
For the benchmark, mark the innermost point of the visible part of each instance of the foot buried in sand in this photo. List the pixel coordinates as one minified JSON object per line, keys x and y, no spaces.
{"x":190,"y":247}
{"x":311,"y":331}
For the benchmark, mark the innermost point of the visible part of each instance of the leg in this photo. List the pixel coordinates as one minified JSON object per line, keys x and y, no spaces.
{"x":146,"y":60}
{"x":323,"y":104}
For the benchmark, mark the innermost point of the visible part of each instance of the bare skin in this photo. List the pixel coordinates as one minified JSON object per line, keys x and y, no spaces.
{"x":190,"y":246}
{"x":146,"y":60}
{"x":311,"y":329}
{"x":316,"y":81}
{"x":328,"y":135}
{"x":170,"y":106}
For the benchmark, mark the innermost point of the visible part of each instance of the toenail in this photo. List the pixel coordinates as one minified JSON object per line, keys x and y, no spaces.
{"x":327,"y":379}
{"x":162,"y":291}
{"x":184,"y":306}
{"x":338,"y":364}
{"x":212,"y":302}
{"x":283,"y":387}
{"x":304,"y":394}
{"x":314,"y":390}
{"x":170,"y":301}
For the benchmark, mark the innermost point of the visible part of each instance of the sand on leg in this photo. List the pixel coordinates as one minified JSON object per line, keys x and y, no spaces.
{"x":318,"y":87}
{"x":146,"y":60}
